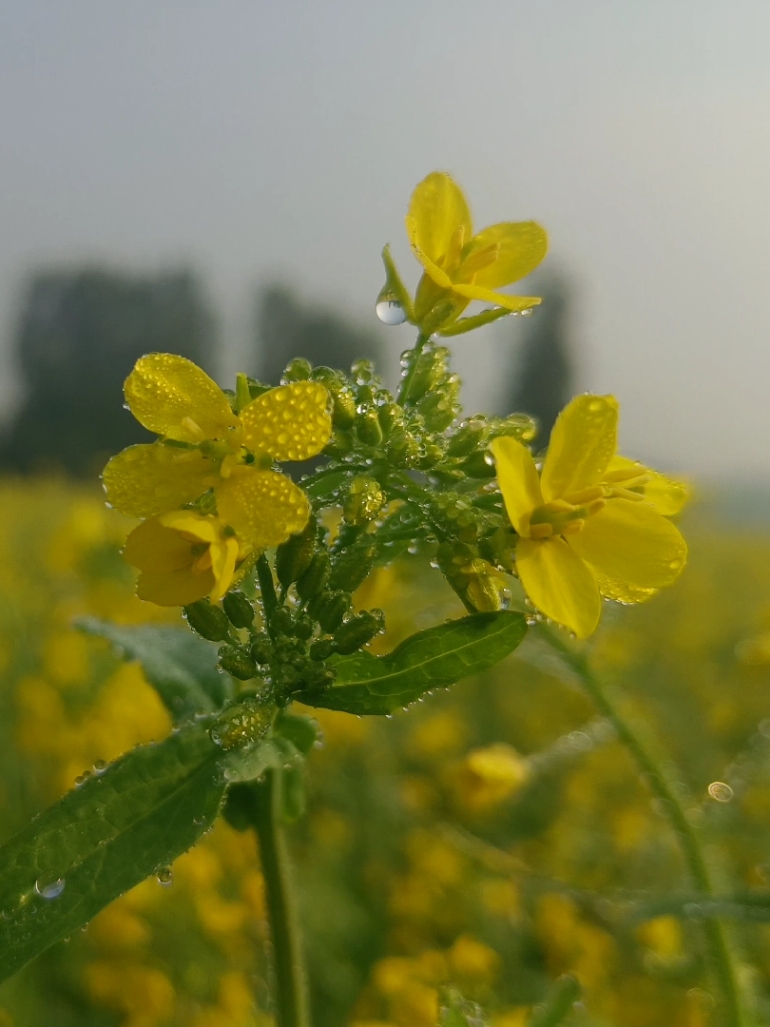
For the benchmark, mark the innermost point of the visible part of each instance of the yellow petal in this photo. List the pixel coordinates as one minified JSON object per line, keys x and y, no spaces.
{"x":142,"y":481}
{"x":291,"y":422}
{"x":153,"y":547}
{"x":263,"y":507}
{"x":667,"y":495}
{"x":522,"y":247}
{"x":632,"y":548}
{"x":437,"y":215}
{"x":583,"y":442}
{"x":194,"y":526}
{"x":518,"y":480}
{"x":172,"y":396}
{"x":175,"y":588}
{"x":559,"y":583}
{"x":500,"y":299}
{"x":224,"y":555}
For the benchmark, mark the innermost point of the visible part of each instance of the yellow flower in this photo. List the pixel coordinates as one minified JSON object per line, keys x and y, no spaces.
{"x":204,"y":445}
{"x":592,"y":523}
{"x":460,"y":266}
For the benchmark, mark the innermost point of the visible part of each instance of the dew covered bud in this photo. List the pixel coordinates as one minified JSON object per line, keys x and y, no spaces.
{"x":237,"y":661}
{"x":431,"y":367}
{"x":368,"y":428}
{"x":475,"y":581}
{"x":297,"y":370}
{"x":358,"y":631}
{"x":208,"y":621}
{"x":403,"y":449}
{"x":322,"y":649}
{"x":477,"y":465}
{"x":239,"y":610}
{"x":333,"y":610}
{"x":314,"y":578}
{"x":391,"y":416}
{"x":261,"y":648}
{"x":341,"y":442}
{"x":293,"y":556}
{"x":352,"y":567}
{"x":363,"y":501}
{"x":303,"y":627}
{"x":467,"y":437}
{"x":282,"y":621}
{"x":315,"y":675}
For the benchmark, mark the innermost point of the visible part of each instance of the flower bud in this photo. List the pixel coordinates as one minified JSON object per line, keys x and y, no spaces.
{"x":390,"y":415}
{"x":478,"y":466}
{"x":467,"y":437}
{"x":358,"y":631}
{"x":475,"y":581}
{"x":314,"y":577}
{"x":403,"y":449}
{"x":239,"y":610}
{"x":431,"y":367}
{"x":341,"y":442}
{"x":261,"y":648}
{"x":363,"y":501}
{"x":282,"y":621}
{"x":293,"y":556}
{"x":322,"y":649}
{"x":333,"y":609}
{"x":297,"y":370}
{"x":352,"y":567}
{"x":208,"y":621}
{"x":520,"y":426}
{"x":316,"y":676}
{"x":368,"y":428}
{"x":237,"y":661}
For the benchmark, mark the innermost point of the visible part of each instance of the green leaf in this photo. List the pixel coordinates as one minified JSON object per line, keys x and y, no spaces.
{"x":180,"y":666}
{"x":558,"y":1005}
{"x":436,"y":658}
{"x":303,"y":732}
{"x":104,"y":837}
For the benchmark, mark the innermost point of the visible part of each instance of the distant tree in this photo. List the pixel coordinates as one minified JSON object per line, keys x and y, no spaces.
{"x":77,"y":339}
{"x":285,"y":327}
{"x":542,"y":379}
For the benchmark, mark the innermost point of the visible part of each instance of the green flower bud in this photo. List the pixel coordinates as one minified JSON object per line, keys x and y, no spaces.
{"x":431,"y":368}
{"x":499,"y":548}
{"x":293,"y":556}
{"x":242,"y":724}
{"x":363,"y":501}
{"x":358,"y":631}
{"x":303,"y":627}
{"x":341,"y":442}
{"x":390,"y":416}
{"x":352,"y":567}
{"x":322,"y":649}
{"x":261,"y":648}
{"x":368,"y":428}
{"x":403,"y":449}
{"x":282,"y":621}
{"x":287,"y":677}
{"x":344,"y":405}
{"x":237,"y":661}
{"x":333,"y":610}
{"x":313,"y":579}
{"x":316,"y":676}
{"x":441,"y":406}
{"x":467,"y":437}
{"x":520,"y":426}
{"x":208,"y":621}
{"x":297,"y":370}
{"x":474,"y":580}
{"x":362,"y":370}
{"x":239,"y":610}
{"x":478,"y":466}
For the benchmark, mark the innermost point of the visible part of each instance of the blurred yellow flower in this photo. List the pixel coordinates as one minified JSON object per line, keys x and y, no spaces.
{"x":460,"y":266}
{"x":587,"y":526}
{"x":182,"y":556}
{"x":489,"y":775}
{"x":202,"y":442}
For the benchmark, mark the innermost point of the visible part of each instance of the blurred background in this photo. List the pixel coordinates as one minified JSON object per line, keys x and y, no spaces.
{"x":218,"y":181}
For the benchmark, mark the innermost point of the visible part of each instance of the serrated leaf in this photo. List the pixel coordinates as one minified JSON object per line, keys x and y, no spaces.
{"x":180,"y":666}
{"x":377,"y":685}
{"x":104,"y":837}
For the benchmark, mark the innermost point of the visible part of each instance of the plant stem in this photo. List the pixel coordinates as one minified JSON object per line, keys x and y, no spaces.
{"x":721,"y":957}
{"x":291,"y":998}
{"x":419,"y":346}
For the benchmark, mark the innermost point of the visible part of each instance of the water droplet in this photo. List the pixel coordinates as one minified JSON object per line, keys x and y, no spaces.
{"x":100,"y":766}
{"x":48,"y":889}
{"x":528,"y":312}
{"x":389,"y":310}
{"x":720,"y":791}
{"x":165,"y":876}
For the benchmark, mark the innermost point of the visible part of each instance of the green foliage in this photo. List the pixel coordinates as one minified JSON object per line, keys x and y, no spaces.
{"x":181,"y":668}
{"x":435,"y":658}
{"x":120,"y":826}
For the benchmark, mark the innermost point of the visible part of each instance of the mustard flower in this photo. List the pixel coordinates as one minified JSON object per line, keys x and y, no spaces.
{"x":460,"y":266}
{"x":205,"y":446}
{"x":592,"y":523}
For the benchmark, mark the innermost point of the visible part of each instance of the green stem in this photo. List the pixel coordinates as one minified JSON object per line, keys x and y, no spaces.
{"x":291,"y":998}
{"x":419,"y":346}
{"x":720,"y":954}
{"x":267,"y":590}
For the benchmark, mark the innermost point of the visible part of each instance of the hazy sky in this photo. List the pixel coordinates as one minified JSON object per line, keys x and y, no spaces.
{"x":260,"y":139}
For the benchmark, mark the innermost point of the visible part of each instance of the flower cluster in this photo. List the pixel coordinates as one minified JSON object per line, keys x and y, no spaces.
{"x":206,"y":490}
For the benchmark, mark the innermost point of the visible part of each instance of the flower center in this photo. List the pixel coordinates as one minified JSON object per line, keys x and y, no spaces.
{"x":566,"y":516}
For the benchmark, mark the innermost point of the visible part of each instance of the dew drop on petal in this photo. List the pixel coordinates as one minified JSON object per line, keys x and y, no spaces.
{"x":720,"y":792}
{"x":390,"y":311}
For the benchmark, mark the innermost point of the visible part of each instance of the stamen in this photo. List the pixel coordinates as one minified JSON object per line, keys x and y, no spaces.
{"x":585,"y":495}
{"x":454,"y":249}
{"x":477,"y":261}
{"x":636,"y":497}
{"x":542,"y":530}
{"x":194,"y":429}
{"x":573,"y":527}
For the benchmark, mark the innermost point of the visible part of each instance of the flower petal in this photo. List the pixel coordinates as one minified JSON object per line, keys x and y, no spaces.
{"x":518,"y":480}
{"x":291,"y":422}
{"x":263,"y":507}
{"x":175,"y":588}
{"x":513,"y":303}
{"x":523,"y":245}
{"x":194,"y":526}
{"x":145,"y":480}
{"x":172,"y":396}
{"x":667,"y":495}
{"x":633,"y":549}
{"x":151,"y":546}
{"x":437,"y":211}
{"x":224,"y":556}
{"x":583,"y":442}
{"x":559,"y":583}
